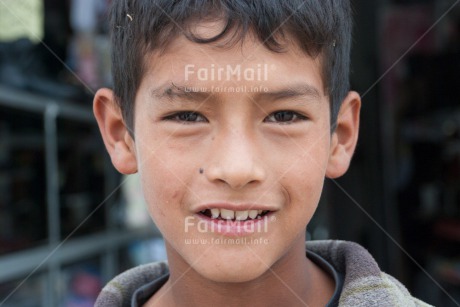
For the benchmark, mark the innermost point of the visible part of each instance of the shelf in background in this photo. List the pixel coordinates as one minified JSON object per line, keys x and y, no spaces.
{"x":18,"y":99}
{"x":34,"y":260}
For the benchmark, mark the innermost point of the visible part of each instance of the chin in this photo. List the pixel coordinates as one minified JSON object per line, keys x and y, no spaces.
{"x":224,"y":271}
{"x":232,"y":275}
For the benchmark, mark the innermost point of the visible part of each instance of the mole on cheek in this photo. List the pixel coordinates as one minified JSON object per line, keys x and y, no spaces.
{"x":175,"y":194}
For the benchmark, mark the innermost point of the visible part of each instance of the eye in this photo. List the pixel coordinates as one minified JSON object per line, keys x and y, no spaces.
{"x":285,"y":117}
{"x":186,"y":116}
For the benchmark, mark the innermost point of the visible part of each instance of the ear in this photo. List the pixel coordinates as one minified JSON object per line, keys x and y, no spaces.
{"x":344,"y":137}
{"x":117,"y":139}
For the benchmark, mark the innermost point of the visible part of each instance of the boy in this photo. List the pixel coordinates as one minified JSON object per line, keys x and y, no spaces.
{"x":233,"y":113}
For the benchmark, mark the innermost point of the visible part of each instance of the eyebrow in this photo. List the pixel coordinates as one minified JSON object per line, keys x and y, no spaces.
{"x":197,"y":94}
{"x":295,"y":91}
{"x":173,"y":91}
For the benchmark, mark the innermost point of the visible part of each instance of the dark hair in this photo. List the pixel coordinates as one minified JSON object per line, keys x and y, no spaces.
{"x":319,"y":27}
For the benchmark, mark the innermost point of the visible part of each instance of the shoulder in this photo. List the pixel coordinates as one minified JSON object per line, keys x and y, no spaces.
{"x":119,"y":291}
{"x":346,"y":257}
{"x":382,"y":290}
{"x":364,"y":283}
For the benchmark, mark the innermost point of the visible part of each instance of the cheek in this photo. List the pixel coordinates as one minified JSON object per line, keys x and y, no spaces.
{"x":163,"y":191}
{"x":303,"y":178}
{"x":303,"y":187}
{"x":162,"y":172}
{"x":166,"y":178}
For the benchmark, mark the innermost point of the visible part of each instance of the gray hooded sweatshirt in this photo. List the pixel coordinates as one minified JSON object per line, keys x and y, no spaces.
{"x":359,"y":281}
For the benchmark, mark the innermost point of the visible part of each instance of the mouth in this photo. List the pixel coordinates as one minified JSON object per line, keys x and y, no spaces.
{"x":231,"y":215}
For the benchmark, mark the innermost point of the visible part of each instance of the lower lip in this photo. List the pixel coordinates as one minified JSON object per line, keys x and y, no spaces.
{"x":234,"y":228}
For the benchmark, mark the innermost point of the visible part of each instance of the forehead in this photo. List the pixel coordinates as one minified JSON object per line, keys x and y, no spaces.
{"x":247,"y":61}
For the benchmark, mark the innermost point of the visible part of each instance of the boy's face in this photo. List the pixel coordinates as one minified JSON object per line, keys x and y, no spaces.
{"x":236,"y":129}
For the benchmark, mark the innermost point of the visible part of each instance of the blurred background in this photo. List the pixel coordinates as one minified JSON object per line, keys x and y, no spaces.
{"x":69,"y":222}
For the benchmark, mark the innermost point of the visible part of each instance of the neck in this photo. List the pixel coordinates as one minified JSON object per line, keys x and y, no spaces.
{"x":292,"y":281}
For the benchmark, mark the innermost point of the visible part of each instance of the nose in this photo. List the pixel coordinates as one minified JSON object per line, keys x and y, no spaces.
{"x":235,"y":160}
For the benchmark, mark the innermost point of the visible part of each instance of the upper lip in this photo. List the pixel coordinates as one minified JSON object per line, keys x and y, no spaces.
{"x":235,"y":207}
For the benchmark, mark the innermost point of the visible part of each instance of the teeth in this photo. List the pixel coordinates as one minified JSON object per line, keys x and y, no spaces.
{"x":215,"y":213}
{"x":253,"y":214}
{"x":241,"y":215}
{"x":237,"y":215}
{"x":227,"y":214}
